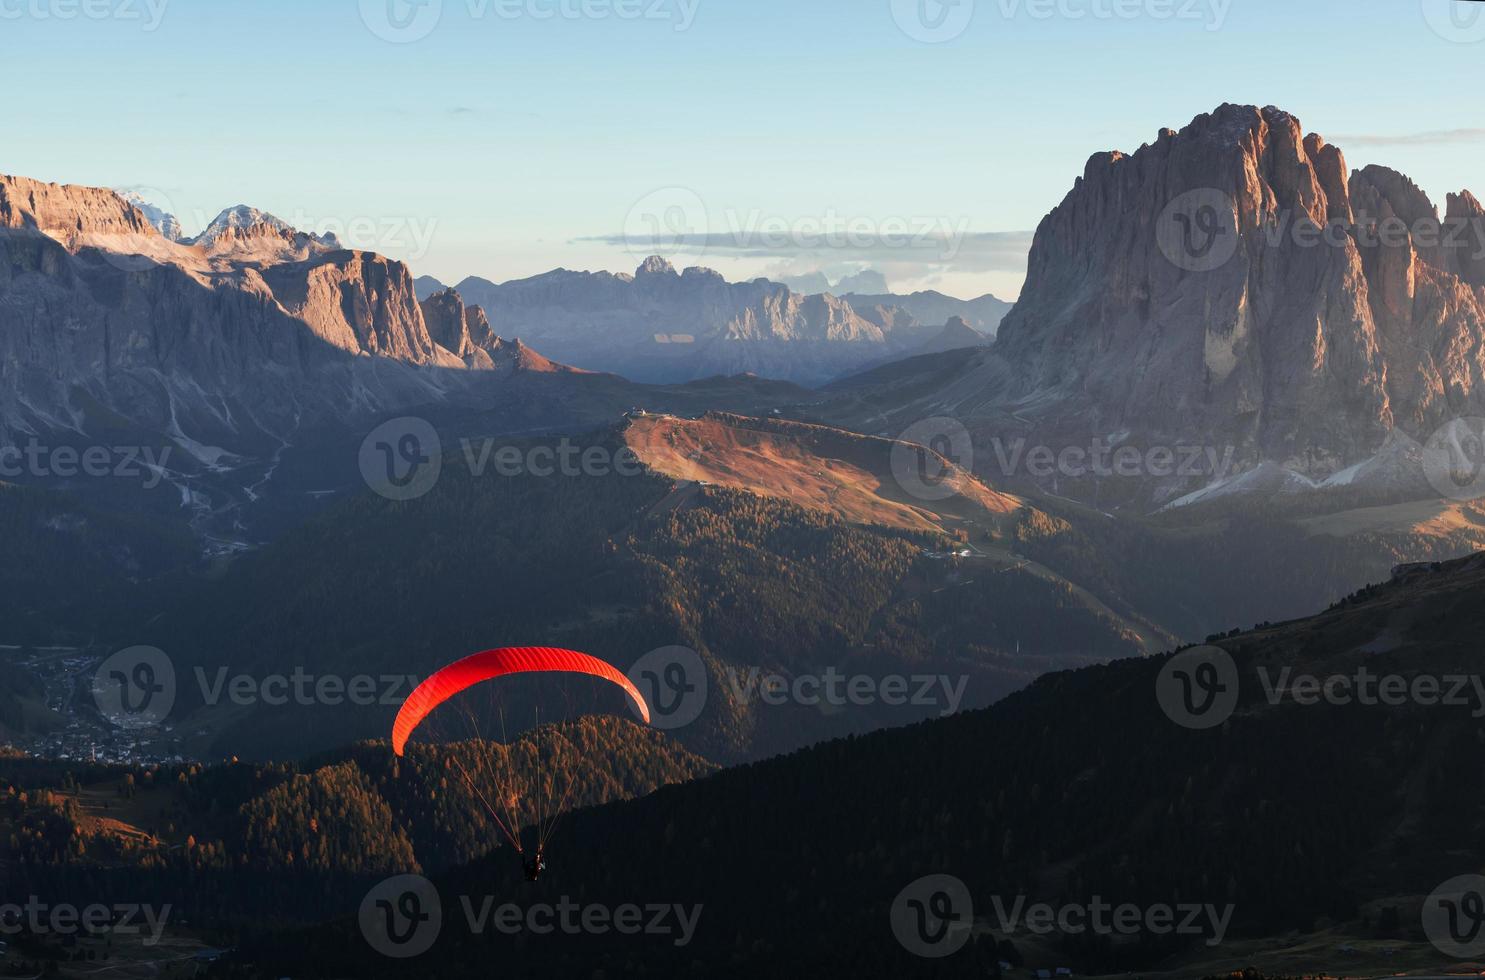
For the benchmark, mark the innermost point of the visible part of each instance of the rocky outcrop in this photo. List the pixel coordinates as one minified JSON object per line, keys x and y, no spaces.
{"x":448,"y":322}
{"x":465,"y":332}
{"x":250,"y":325}
{"x":168,"y":225}
{"x":1231,"y":284}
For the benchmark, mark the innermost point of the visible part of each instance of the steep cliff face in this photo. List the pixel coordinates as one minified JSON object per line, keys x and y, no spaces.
{"x":448,"y":322}
{"x":465,"y":331}
{"x":1229,"y":282}
{"x":250,"y":325}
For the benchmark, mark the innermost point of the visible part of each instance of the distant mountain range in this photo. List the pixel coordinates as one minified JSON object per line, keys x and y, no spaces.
{"x":865,"y":281}
{"x":661,"y":325}
{"x":984,"y":314}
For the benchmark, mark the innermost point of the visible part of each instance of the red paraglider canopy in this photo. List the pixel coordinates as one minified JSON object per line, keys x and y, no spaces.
{"x":481,"y":667}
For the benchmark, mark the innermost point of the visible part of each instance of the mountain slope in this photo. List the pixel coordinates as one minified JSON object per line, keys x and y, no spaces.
{"x":956,"y":336}
{"x":288,"y":843}
{"x":1326,"y":825}
{"x":620,"y":565}
{"x":811,"y":466}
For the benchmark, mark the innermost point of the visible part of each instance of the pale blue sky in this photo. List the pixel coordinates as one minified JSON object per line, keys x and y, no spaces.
{"x":504,"y":143}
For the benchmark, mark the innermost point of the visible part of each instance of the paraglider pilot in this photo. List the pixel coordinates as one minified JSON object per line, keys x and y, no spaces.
{"x":534,"y":867}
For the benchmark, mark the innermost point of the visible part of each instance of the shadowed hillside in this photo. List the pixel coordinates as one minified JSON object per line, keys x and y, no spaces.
{"x":1334,"y":819}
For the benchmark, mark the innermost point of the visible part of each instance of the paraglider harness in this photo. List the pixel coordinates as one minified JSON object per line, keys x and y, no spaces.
{"x":534,"y":867}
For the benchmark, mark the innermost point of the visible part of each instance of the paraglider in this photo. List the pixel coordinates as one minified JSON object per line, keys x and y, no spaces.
{"x":491,"y":665}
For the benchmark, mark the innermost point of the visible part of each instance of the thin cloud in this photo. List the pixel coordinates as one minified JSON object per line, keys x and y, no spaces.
{"x":1436,"y":137}
{"x":975,"y":252}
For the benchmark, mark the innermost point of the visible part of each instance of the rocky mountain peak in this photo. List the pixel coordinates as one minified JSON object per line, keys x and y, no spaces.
{"x":246,"y":228}
{"x":448,"y":322}
{"x":1233,"y":281}
{"x":465,"y":332}
{"x":165,"y":223}
{"x":697,"y":275}
{"x":655,"y":265}
{"x":75,"y":216}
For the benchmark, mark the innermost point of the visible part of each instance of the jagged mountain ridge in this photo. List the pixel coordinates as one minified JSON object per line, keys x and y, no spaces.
{"x":1317,"y":344}
{"x":984,"y":314}
{"x":661,"y":325}
{"x":465,"y":332}
{"x":1309,"y":355}
{"x":250,"y":324}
